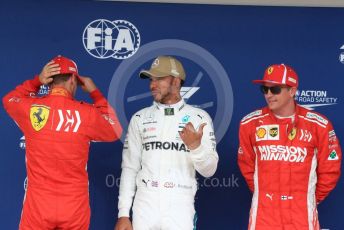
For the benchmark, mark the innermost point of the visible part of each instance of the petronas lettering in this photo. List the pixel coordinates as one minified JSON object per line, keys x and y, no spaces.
{"x":165,"y":146}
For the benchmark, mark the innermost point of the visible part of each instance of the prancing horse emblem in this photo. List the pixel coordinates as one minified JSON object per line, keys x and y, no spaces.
{"x":38,"y":116}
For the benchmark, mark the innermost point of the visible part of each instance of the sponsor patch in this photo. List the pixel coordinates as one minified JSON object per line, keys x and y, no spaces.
{"x":250,"y":115}
{"x":292,"y":134}
{"x":149,"y":129}
{"x":267,"y":132}
{"x":59,"y":91}
{"x":155,"y":184}
{"x":39,"y":116}
{"x":284,"y":197}
{"x":22,"y":143}
{"x":148,"y":119}
{"x":273,"y":132}
{"x":68,"y":120}
{"x":333,"y":139}
{"x":240,"y":151}
{"x":145,"y":138}
{"x":186,"y":118}
{"x":261,"y":132}
{"x":174,"y":146}
{"x":306,"y":135}
{"x":169,"y":185}
{"x":292,"y":79}
{"x":331,"y":134}
{"x":281,"y":153}
{"x":169,"y":111}
{"x":183,"y":186}
{"x":317,"y":117}
{"x":108,"y":118}
{"x":14,"y":99}
{"x":333,"y":156}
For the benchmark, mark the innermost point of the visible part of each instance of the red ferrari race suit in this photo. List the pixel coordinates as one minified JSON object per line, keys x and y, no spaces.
{"x":58,"y":131}
{"x":290,"y":165}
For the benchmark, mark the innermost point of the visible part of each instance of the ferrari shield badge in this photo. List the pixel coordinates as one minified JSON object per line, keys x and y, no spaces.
{"x":38,"y":116}
{"x":292,"y":134}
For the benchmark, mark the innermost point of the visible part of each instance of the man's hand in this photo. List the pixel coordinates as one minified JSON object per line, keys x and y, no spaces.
{"x":50,"y":69}
{"x":191,"y":137}
{"x":88,"y":85}
{"x":123,"y":223}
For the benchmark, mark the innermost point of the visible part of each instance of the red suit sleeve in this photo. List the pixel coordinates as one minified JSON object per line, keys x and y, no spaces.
{"x":246,"y":155}
{"x":329,"y":161}
{"x":104,"y":125}
{"x":14,"y":102}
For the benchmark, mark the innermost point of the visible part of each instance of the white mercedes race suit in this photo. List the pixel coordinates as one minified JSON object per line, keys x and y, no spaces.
{"x":159,"y":170}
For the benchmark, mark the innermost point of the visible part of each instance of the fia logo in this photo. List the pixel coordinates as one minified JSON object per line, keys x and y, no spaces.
{"x":103,"y":39}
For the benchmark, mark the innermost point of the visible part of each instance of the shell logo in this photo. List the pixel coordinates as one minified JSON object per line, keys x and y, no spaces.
{"x":261,"y":132}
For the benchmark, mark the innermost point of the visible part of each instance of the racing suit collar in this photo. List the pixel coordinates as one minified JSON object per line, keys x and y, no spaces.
{"x":177,"y":106}
{"x":60,"y":91}
{"x":279,"y":120}
{"x":290,"y":124}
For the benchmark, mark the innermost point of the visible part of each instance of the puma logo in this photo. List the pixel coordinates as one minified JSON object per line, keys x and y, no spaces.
{"x":145,"y":182}
{"x":269,"y":196}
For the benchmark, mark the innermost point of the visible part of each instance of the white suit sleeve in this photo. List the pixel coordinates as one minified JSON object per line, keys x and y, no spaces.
{"x":205,"y":157}
{"x":131,"y":164}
